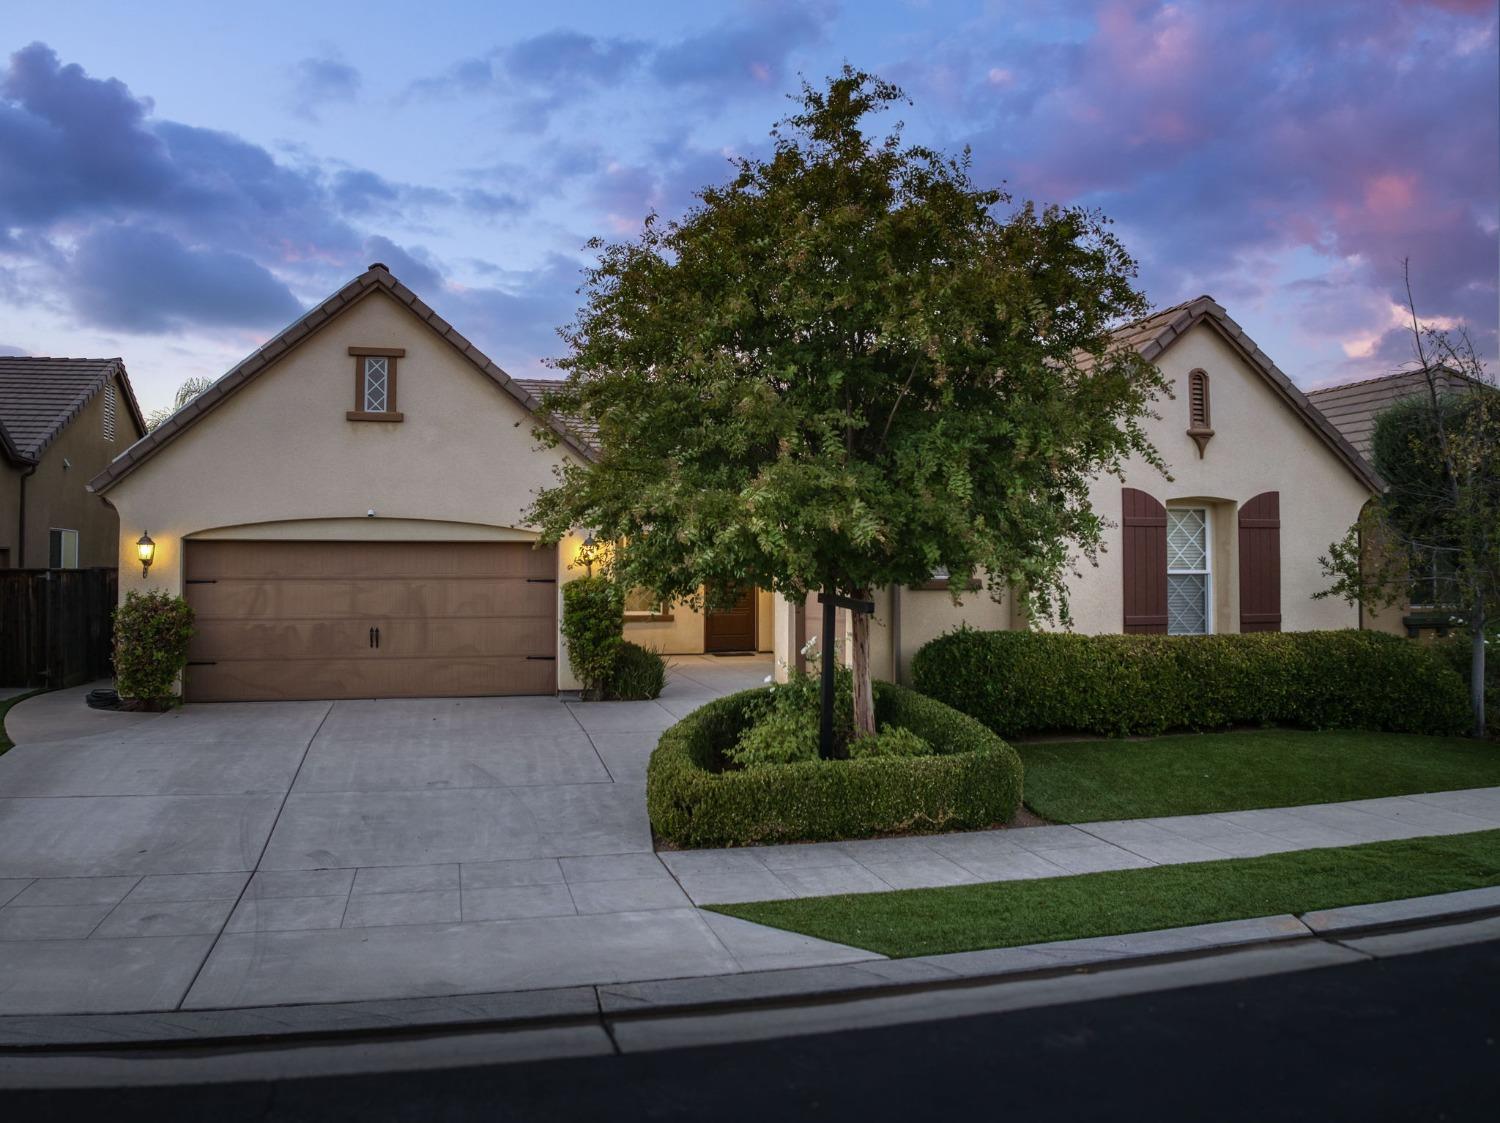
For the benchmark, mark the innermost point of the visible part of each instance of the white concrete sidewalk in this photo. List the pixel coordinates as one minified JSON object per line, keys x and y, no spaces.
{"x":769,"y":873}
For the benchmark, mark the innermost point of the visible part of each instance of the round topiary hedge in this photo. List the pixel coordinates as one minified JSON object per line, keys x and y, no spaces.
{"x":1020,"y":683}
{"x":971,"y":779}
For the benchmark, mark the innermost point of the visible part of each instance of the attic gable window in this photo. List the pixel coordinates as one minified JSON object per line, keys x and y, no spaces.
{"x":375,"y":384}
{"x":1200,"y":424}
{"x":111,"y":410}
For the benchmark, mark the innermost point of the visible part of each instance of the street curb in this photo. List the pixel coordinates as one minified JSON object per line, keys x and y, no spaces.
{"x":51,"y":1033}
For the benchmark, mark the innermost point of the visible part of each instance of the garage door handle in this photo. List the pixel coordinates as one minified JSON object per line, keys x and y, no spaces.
{"x":541,"y":580}
{"x":372,"y":637}
{"x":544,"y":658}
{"x":377,"y":638}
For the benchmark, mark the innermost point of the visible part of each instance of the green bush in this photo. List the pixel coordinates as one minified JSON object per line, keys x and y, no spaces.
{"x":151,"y":646}
{"x":783,"y":724}
{"x":969,"y":779}
{"x":891,"y":740}
{"x":1455,"y":651}
{"x":639,"y":674}
{"x":593,"y":624}
{"x":1021,"y":683}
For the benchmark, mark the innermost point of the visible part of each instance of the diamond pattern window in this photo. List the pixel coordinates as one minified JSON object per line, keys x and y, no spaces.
{"x":377,"y":383}
{"x":1189,"y":574}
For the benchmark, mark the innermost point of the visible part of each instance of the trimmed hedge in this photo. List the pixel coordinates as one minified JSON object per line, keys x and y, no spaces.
{"x":1021,"y":683}
{"x":971,"y":779}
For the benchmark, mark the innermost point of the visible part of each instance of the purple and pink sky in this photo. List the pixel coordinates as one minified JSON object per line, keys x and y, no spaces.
{"x":180,"y":180}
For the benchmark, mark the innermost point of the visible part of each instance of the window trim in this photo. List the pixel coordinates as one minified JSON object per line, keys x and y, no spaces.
{"x":1207,"y":571}
{"x":392,"y":355}
{"x":61,"y":550}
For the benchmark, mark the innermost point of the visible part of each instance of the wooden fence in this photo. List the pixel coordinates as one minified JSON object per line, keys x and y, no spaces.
{"x":55,"y":626}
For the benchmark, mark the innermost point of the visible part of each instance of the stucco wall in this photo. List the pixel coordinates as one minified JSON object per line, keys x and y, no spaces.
{"x":1259,"y":445}
{"x":280,"y":451}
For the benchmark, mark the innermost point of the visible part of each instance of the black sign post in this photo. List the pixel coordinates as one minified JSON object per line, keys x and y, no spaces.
{"x":830,"y":602}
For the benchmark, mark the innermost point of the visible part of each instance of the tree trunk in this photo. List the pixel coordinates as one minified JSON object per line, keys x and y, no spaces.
{"x":1476,"y":671}
{"x":864,"y":697}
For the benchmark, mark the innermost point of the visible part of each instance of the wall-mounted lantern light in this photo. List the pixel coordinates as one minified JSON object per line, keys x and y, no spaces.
{"x":588,"y":554}
{"x":145,"y":550}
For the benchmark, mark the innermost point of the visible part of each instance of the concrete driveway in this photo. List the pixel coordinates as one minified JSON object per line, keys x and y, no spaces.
{"x":269,"y":853}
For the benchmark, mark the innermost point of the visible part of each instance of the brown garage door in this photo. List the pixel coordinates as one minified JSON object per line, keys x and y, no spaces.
{"x":281,"y":620}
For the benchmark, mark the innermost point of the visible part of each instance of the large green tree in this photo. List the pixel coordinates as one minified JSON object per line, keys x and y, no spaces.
{"x":1433,"y":535}
{"x":846,"y":367}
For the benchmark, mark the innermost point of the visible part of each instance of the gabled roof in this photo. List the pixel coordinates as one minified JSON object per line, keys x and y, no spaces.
{"x":1152,"y":335}
{"x":1353,"y":407}
{"x":39,"y":396}
{"x":539,"y":388}
{"x":377,"y":278}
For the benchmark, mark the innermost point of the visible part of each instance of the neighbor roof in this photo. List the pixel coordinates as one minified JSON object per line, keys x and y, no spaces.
{"x":1354,"y":406}
{"x":39,"y":396}
{"x":1152,"y":335}
{"x":377,"y":278}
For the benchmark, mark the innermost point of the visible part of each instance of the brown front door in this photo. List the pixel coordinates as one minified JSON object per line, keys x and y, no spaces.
{"x":732,"y":629}
{"x":284,"y":620}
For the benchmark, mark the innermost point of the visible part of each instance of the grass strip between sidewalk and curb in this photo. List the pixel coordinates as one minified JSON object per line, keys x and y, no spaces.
{"x":6,"y":744}
{"x":1009,"y":913}
{"x":1196,"y":774}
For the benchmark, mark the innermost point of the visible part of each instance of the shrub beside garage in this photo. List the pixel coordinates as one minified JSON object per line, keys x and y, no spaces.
{"x":971,"y":778}
{"x":1021,"y":683}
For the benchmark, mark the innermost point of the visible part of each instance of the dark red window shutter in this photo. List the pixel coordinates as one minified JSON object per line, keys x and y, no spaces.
{"x":1145,"y":524}
{"x":1260,"y":563}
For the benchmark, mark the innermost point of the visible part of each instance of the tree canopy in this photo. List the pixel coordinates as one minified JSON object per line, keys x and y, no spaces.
{"x":846,"y":367}
{"x":1437,"y":524}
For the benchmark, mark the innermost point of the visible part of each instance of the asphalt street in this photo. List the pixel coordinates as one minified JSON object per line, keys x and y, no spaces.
{"x":1409,"y":1038}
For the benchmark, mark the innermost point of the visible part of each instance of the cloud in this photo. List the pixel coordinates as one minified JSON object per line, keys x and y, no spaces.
{"x":1232,"y":142}
{"x":76,"y":149}
{"x":540,"y":74}
{"x":143,"y":280}
{"x":749,"y":51}
{"x":320,"y":82}
{"x":414,"y":268}
{"x":544,"y":73}
{"x":11,"y":349}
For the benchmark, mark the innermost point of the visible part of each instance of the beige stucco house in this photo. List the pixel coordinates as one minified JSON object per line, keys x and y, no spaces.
{"x":344,"y":510}
{"x":1260,"y":484}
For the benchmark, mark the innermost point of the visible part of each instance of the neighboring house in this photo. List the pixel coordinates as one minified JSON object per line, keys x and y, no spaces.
{"x":61,"y":421}
{"x":1353,"y":408}
{"x":345,"y":512}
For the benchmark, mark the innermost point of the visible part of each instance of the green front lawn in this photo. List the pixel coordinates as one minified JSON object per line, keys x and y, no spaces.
{"x":1007,"y":913}
{"x":1193,"y":774}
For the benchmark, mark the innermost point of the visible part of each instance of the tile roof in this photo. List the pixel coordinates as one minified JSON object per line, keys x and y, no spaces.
{"x":538,"y":388}
{"x":376,"y":278}
{"x":39,"y":396}
{"x":1354,"y":406}
{"x":1152,"y":335}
